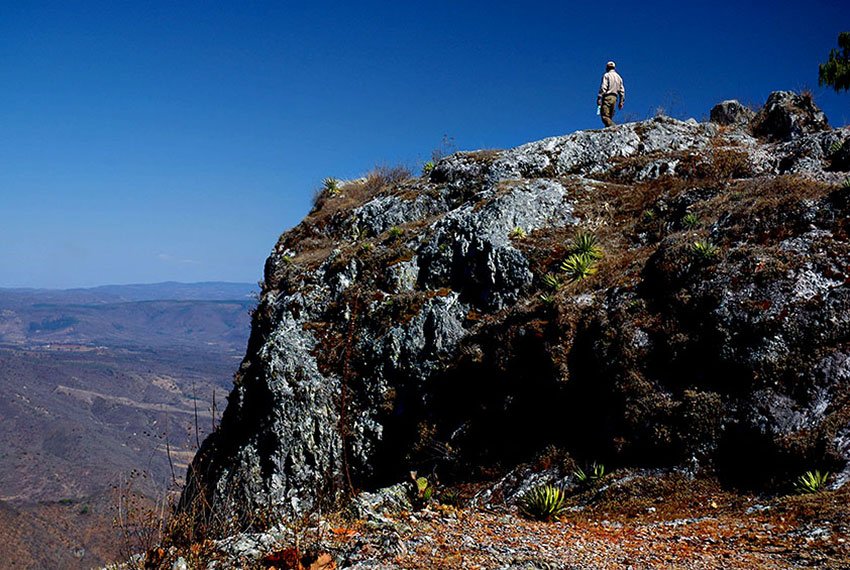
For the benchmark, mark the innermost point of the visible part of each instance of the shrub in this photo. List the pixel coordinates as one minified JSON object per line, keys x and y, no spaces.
{"x":543,"y":503}
{"x":811,"y":482}
{"x":428,"y":167}
{"x":395,"y":232}
{"x":382,"y":176}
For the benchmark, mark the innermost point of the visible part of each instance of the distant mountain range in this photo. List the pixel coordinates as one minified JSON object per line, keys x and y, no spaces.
{"x":160,"y":314}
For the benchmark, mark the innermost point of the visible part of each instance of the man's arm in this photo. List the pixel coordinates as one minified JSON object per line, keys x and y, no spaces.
{"x":622,"y":93}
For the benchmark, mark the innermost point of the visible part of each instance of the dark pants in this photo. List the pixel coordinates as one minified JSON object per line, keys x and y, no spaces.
{"x":609,"y":104}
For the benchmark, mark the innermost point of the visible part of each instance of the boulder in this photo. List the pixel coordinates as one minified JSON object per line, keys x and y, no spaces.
{"x":787,"y":115}
{"x":731,"y":112}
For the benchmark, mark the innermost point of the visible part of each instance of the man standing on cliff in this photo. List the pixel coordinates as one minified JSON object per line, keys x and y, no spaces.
{"x":611,"y":88}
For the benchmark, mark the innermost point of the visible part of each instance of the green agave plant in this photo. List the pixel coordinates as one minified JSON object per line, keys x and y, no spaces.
{"x":543,"y":503}
{"x":517,"y":233}
{"x":704,"y":250}
{"x":585,"y":243}
{"x":547,"y":299}
{"x":690,"y":221}
{"x":811,"y":482}
{"x":594,"y":473}
{"x":846,"y":183}
{"x":835,"y":147}
{"x":331,"y":186}
{"x":578,"y":266}
{"x":552,"y":281}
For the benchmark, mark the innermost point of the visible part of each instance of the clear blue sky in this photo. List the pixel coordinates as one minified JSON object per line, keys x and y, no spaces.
{"x":152,"y":141}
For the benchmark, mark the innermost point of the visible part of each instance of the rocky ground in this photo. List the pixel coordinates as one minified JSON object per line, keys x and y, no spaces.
{"x":630,"y":519}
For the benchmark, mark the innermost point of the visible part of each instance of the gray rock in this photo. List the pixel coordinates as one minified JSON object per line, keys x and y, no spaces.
{"x":787,"y":115}
{"x":731,"y":112}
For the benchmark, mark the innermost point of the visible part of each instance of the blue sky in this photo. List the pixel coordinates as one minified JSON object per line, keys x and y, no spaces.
{"x":152,"y":141}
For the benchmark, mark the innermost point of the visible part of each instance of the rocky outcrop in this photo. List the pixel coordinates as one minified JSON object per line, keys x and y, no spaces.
{"x":425,"y":324}
{"x":787,"y":115}
{"x":731,"y":112}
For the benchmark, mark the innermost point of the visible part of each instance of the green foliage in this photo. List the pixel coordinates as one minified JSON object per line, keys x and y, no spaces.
{"x":704,"y":250}
{"x":366,"y":246}
{"x":648,"y":215}
{"x":547,"y":299}
{"x":585,"y":243}
{"x":690,"y":221}
{"x":331,"y":186}
{"x":543,"y":503}
{"x":835,"y":147}
{"x":836,"y":71}
{"x":423,"y":491}
{"x":428,"y":167}
{"x":578,"y":266}
{"x":517,"y":233}
{"x":846,"y":183}
{"x":552,"y":281}
{"x":594,"y":473}
{"x":811,"y":482}
{"x":287,"y":259}
{"x":584,"y":253}
{"x":396,"y":232}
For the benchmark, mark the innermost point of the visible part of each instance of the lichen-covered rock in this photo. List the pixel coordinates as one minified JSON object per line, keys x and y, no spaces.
{"x":731,"y":112}
{"x":787,"y":115}
{"x":426,"y":324}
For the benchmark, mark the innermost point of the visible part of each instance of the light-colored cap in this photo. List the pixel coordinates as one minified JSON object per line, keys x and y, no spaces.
{"x":611,"y":64}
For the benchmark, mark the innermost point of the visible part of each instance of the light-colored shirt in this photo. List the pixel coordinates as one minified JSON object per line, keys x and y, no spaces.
{"x":612,"y":84}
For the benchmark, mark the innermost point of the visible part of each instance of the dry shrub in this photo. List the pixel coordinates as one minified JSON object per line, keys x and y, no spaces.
{"x":382,"y":177}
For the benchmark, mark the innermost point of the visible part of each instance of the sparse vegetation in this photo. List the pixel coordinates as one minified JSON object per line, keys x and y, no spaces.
{"x":517,"y":233}
{"x":811,"y":482}
{"x":578,"y":266}
{"x":585,"y":243}
{"x":547,"y":299}
{"x":552,"y":282}
{"x":428,"y":167}
{"x":690,"y":221}
{"x":331,"y":186}
{"x":423,"y":491}
{"x":704,"y":250}
{"x":395,"y":232}
{"x":543,"y":503}
{"x":594,"y":474}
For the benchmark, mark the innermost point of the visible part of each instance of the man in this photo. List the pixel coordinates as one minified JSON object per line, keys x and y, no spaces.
{"x":611,"y":88}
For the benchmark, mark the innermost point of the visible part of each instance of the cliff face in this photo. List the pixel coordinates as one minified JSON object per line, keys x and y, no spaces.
{"x":426,"y":323}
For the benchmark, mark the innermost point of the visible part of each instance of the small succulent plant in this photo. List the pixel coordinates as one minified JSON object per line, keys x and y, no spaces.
{"x":396,"y":232}
{"x":547,"y":299}
{"x":552,"y":282}
{"x":517,"y":233}
{"x":690,"y":221}
{"x":704,"y":250}
{"x":423,"y":491}
{"x":585,"y":243}
{"x":811,"y":482}
{"x":594,"y":473}
{"x":578,"y":266}
{"x":428,"y":167}
{"x":331,"y":186}
{"x":543,"y":503}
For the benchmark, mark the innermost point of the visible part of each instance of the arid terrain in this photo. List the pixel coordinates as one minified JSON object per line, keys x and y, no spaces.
{"x":93,"y":383}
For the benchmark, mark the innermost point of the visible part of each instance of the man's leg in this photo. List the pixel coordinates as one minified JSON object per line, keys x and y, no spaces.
{"x":609,"y":103}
